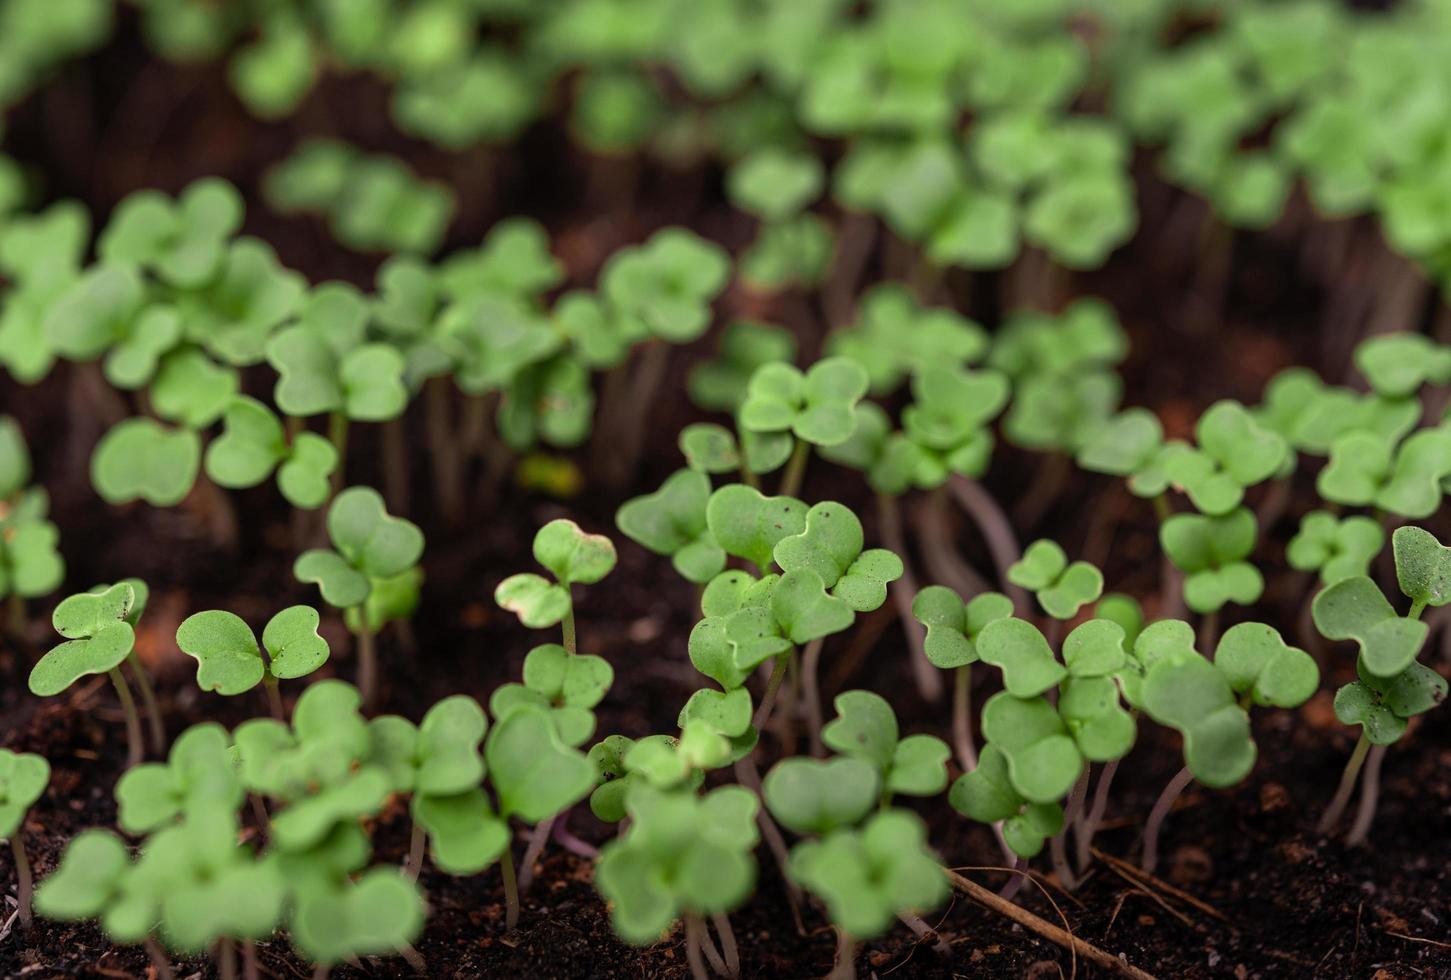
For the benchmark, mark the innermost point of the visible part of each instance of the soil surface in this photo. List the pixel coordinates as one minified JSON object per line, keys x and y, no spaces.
{"x":1248,"y":889}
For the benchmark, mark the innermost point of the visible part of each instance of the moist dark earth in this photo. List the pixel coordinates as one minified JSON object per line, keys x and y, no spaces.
{"x":1248,"y":889}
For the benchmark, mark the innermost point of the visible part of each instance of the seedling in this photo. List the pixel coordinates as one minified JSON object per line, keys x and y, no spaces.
{"x":564,"y":685}
{"x":1212,"y":553}
{"x":141,"y":459}
{"x":1398,"y":364}
{"x":1336,"y":547}
{"x":373,"y":553}
{"x":1062,"y":588}
{"x":40,"y":256}
{"x":986,"y":794}
{"x":791,"y":247}
{"x":571,"y":556}
{"x":99,"y":638}
{"x":103,"y":313}
{"x":815,"y":406}
{"x":953,"y":628}
{"x":1234,"y":452}
{"x":182,"y":241}
{"x":198,"y":773}
{"x":253,"y":445}
{"x":23,"y":778}
{"x":1366,"y":470}
{"x":1392,"y":686}
{"x":667,"y":284}
{"x":30,"y":564}
{"x":894,"y":338}
{"x":683,"y":855}
{"x":672,"y":521}
{"x":948,"y":419}
{"x":230,"y":662}
{"x":719,"y":384}
{"x":232,"y":316}
{"x":866,"y":728}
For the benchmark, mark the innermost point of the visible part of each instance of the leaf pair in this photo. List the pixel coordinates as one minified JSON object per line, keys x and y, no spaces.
{"x":99,"y":636}
{"x":572,"y":556}
{"x":230,"y":662}
{"x":866,"y":728}
{"x":369,"y":546}
{"x":1062,"y":588}
{"x":1212,"y":553}
{"x":564,"y":685}
{"x":816,"y":406}
{"x":253,"y":444}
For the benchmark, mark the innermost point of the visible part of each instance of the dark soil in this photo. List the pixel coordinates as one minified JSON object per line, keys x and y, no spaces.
{"x":1270,"y":897}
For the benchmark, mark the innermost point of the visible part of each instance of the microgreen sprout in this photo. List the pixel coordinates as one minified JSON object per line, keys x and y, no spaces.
{"x":572,"y":556}
{"x":672,"y":521}
{"x":720,"y":384}
{"x":373,"y":555}
{"x":815,"y":406}
{"x":230,"y":661}
{"x":1212,"y":553}
{"x":1062,"y":588}
{"x":23,"y":778}
{"x":1335,"y":547}
{"x":141,"y":459}
{"x":254,"y":443}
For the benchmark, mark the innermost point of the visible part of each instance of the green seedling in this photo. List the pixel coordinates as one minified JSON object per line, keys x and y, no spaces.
{"x":141,"y":459}
{"x":254,"y":444}
{"x":199,"y":772}
{"x":948,"y":420}
{"x":667,"y":284}
{"x":23,"y":778}
{"x":713,"y":448}
{"x":748,"y":524}
{"x":794,"y":252}
{"x":1234,"y":452}
{"x":30,"y":564}
{"x":672,"y":521}
{"x":373,"y":556}
{"x":1336,"y":547}
{"x":1311,"y":415}
{"x":565,"y":685}
{"x":1356,"y":609}
{"x":1367,"y":470}
{"x":831,"y":546}
{"x":103,"y":313}
{"x":99,"y":637}
{"x":233,"y":315}
{"x":986,"y":794}
{"x":1131,"y":445}
{"x":1397,"y":365}
{"x":40,"y":256}
{"x":774,"y":184}
{"x":615,"y":112}
{"x":683,"y":856}
{"x":892,"y":462}
{"x":324,"y":365}
{"x":1423,"y":568}
{"x":514,"y":260}
{"x":953,"y":627}
{"x":230,"y":661}
{"x":380,"y":913}
{"x":1212,"y":553}
{"x":183,"y":241}
{"x":1062,"y":588}
{"x":571,"y":556}
{"x":815,"y":406}
{"x":865,"y":728}
{"x":719,"y":384}
{"x":894,"y":338}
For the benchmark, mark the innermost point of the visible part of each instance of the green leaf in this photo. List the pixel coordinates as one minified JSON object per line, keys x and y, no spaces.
{"x":1335,"y":547}
{"x":672,"y":521}
{"x":1355,"y":609}
{"x":23,"y":778}
{"x":1192,"y":696}
{"x":952,"y":626}
{"x":831,"y":546}
{"x":1211,"y":551}
{"x":465,"y":835}
{"x":571,"y":554}
{"x":986,"y":794}
{"x":1043,"y":759}
{"x":98,"y":638}
{"x":1398,"y":364}
{"x":372,"y":541}
{"x":667,"y":283}
{"x":1423,"y":566}
{"x":89,"y":877}
{"x":342,"y":585}
{"x":709,"y":448}
{"x":801,"y":604}
{"x":535,"y":774}
{"x":199,"y":771}
{"x":748,"y":524}
{"x":773,"y":184}
{"x":140,"y":459}
{"x":1090,"y":708}
{"x":1019,"y":650}
{"x":379,"y":914}
{"x":228,"y":659}
{"x":818,"y":796}
{"x":191,"y":389}
{"x":817,"y":406}
{"x":534,"y":599}
{"x":1062,"y":589}
{"x":294,"y":646}
{"x":720,"y":384}
{"x":1255,"y":659}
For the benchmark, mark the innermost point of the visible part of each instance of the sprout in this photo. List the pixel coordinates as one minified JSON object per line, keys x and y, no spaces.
{"x":99,"y":638}
{"x":683,"y":855}
{"x":1365,"y":469}
{"x":1355,"y":609}
{"x":1131,"y":445}
{"x":374,"y":555}
{"x":572,"y":556}
{"x":774,"y":184}
{"x":564,"y":685}
{"x":103,"y":312}
{"x":1336,"y":547}
{"x":948,"y":420}
{"x":41,"y":256}
{"x":672,"y":521}
{"x":816,"y":407}
{"x":1062,"y":589}
{"x":253,"y":444}
{"x":23,"y":778}
{"x":986,"y":794}
{"x":141,"y":459}
{"x":667,"y":284}
{"x":1211,"y":552}
{"x":831,"y":546}
{"x":892,"y":462}
{"x":233,"y":315}
{"x":230,"y":662}
{"x":748,"y":524}
{"x":30,"y":564}
{"x":380,"y":913}
{"x":1234,"y":452}
{"x":953,"y":627}
{"x":182,"y":241}
{"x":199,"y":772}
{"x":1398,"y":364}
{"x":866,"y":728}
{"x":814,"y":796}
{"x":895,"y":338}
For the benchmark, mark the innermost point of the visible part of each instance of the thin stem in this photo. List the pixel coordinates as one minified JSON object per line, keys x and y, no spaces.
{"x":1089,"y":825}
{"x":226,"y":958}
{"x":337,"y":434}
{"x":1058,"y":845}
{"x":511,"y":890}
{"x":148,"y":699}
{"x":810,"y":666}
{"x":567,"y":626}
{"x":367,"y":659}
{"x":995,"y":528}
{"x":1333,"y":812}
{"x":903,"y":591}
{"x":249,"y":960}
{"x":395,"y":465}
{"x":259,"y":813}
{"x":1369,"y":797}
{"x":537,"y":840}
{"x":702,"y":937}
{"x":274,"y":696}
{"x":748,"y":776}
{"x":160,"y":962}
{"x":692,"y":950}
{"x":1208,"y":633}
{"x":571,"y":843}
{"x":962,"y":718}
{"x":722,"y":923}
{"x":135,"y":752}
{"x":16,"y":620}
{"x":937,"y":539}
{"x":773,"y":687}
{"x":1417,"y":607}
{"x":23,"y":881}
{"x":1161,"y":809}
{"x":925,"y":932}
{"x":795,"y":469}
{"x":417,"y":838}
{"x":845,"y":966}
{"x":443,"y":449}
{"x":1016,"y":879}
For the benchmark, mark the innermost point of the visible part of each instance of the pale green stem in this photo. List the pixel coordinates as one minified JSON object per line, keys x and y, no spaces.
{"x":135,"y":751}
{"x":148,"y":699}
{"x":511,"y":890}
{"x":22,"y":876}
{"x":1347,"y":785}
{"x":337,"y":433}
{"x":367,"y":659}
{"x":795,"y":469}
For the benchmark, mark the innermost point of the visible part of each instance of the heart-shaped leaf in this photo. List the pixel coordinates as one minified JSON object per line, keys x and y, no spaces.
{"x":23,"y":777}
{"x":1062,"y":589}
{"x":1019,"y":650}
{"x":1043,"y":760}
{"x":571,"y":554}
{"x":1423,"y":566}
{"x":371,"y":540}
{"x":1355,"y":609}
{"x":1192,"y":696}
{"x":534,"y":599}
{"x":952,"y":626}
{"x":465,"y":836}
{"x":986,"y":794}
{"x":98,"y":636}
{"x":1335,"y":547}
{"x":748,"y":524}
{"x":140,"y":459}
{"x":672,"y":521}
{"x":379,"y":914}
{"x":535,"y":774}
{"x":1255,"y":659}
{"x":801,"y":604}
{"x":818,"y":796}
